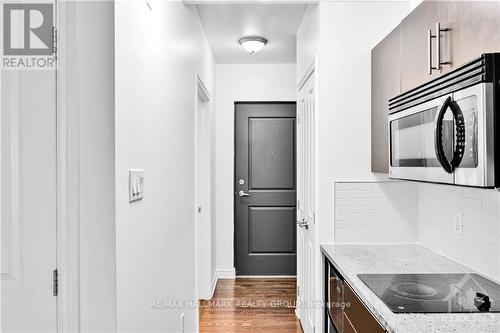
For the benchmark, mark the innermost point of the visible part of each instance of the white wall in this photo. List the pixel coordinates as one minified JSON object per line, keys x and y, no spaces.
{"x":349,"y":30}
{"x":259,"y":82}
{"x":307,"y":40}
{"x":96,"y":107}
{"x":158,"y":52}
{"x":347,"y":33}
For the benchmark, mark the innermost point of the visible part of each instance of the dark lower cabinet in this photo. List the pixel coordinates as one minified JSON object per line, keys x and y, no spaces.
{"x":344,"y":311}
{"x":359,"y":317}
{"x":348,"y":327}
{"x":334,"y":288}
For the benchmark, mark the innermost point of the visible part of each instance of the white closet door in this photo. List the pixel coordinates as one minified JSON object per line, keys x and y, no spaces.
{"x":306,"y":229}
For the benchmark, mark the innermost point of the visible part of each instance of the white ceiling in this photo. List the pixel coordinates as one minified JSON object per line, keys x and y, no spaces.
{"x":225,"y":23}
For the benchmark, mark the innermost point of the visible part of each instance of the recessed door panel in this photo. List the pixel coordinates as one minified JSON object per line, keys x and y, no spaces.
{"x":28,"y":201}
{"x":271,"y":153}
{"x":271,"y":230}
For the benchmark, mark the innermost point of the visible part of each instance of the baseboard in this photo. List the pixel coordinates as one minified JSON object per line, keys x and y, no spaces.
{"x":267,"y":276}
{"x":214,"y":284}
{"x":226,"y":273}
{"x":221,"y":274}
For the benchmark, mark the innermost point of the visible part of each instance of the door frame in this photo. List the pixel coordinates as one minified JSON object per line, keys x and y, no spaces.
{"x":203,"y":241}
{"x":68,"y":171}
{"x":235,"y":217}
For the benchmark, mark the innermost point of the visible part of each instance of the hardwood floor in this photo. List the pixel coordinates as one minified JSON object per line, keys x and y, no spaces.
{"x":251,"y":305}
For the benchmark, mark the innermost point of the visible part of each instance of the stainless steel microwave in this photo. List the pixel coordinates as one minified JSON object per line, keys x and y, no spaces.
{"x":445,"y":131}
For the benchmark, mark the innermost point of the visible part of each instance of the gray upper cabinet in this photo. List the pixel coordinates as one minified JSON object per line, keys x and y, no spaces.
{"x":386,"y":83}
{"x":415,"y":55}
{"x":466,"y":30}
{"x":401,"y":61}
{"x":471,"y":28}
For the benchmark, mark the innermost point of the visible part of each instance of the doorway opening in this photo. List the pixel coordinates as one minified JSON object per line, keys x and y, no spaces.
{"x":203,"y":191}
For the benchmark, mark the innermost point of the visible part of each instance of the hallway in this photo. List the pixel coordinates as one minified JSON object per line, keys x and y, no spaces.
{"x":251,"y":305}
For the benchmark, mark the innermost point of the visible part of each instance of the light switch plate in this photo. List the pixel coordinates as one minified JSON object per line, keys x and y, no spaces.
{"x":135,"y":185}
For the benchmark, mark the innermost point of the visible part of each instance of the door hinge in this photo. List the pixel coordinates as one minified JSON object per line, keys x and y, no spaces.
{"x":55,"y":282}
{"x":298,"y":290}
{"x":54,"y":40}
{"x":199,"y":209}
{"x":298,"y":204}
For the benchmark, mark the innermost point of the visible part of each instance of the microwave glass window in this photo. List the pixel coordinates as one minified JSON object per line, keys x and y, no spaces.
{"x":468,"y":105}
{"x":412,"y":139}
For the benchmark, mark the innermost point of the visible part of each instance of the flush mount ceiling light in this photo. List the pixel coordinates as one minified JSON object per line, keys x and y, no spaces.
{"x":252,"y":44}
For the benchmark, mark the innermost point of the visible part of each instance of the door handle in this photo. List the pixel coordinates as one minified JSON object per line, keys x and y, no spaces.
{"x":243,"y":194}
{"x":303,"y":224}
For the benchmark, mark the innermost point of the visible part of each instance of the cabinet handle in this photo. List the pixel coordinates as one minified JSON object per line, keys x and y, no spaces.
{"x":438,"y":46}
{"x":430,"y":36}
{"x":437,"y":36}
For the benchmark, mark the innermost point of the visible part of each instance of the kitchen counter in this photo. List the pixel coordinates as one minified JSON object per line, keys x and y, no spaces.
{"x":351,"y":260}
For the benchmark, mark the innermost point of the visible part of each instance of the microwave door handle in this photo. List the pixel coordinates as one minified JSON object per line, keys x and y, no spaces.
{"x":438,"y":137}
{"x":458,"y":116}
{"x":458,"y":153}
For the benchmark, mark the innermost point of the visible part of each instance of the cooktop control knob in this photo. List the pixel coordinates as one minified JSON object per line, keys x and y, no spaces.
{"x":482,"y":302}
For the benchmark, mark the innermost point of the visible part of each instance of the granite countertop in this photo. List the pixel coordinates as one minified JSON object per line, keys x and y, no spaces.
{"x":351,"y":260}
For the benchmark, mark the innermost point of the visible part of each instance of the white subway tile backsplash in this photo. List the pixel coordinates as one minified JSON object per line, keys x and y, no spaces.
{"x":364,"y":186}
{"x":481,"y":225}
{"x":476,"y":194}
{"x":375,"y":213}
{"x":494,"y":196}
{"x":407,"y":212}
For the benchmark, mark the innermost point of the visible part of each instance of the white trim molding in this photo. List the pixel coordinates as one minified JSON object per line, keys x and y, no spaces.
{"x":310,"y":71}
{"x":221,"y":274}
{"x":266,"y":276}
{"x":202,"y":200}
{"x":225,"y":273}
{"x":68,"y":170}
{"x":202,"y":89}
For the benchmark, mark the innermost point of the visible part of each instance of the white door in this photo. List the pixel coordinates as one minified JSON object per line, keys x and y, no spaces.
{"x":203,"y":205}
{"x":306,"y":227}
{"x":28,"y":200}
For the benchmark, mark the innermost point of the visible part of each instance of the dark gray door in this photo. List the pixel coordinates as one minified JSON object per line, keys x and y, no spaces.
{"x":265,"y":189}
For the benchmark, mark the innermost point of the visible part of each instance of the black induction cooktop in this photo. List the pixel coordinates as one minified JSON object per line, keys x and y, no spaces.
{"x":435,"y":293}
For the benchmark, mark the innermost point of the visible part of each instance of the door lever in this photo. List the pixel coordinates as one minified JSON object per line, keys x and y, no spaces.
{"x":303,"y":224}
{"x":243,"y":194}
